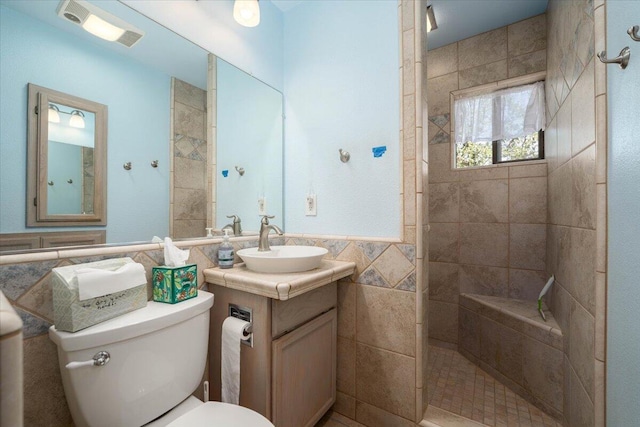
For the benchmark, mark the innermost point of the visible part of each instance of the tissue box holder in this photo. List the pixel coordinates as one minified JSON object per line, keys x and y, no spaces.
{"x":175,"y":284}
{"x":70,"y":314}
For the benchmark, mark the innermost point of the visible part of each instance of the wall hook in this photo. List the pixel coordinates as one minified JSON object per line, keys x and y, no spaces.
{"x":240,"y":170}
{"x":70,"y":181}
{"x":633,"y":33}
{"x":622,"y":59}
{"x":344,"y":155}
{"x":50,"y":183}
{"x":154,"y":164}
{"x":127,"y":166}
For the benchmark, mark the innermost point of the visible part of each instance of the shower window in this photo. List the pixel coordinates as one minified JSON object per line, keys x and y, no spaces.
{"x":501,"y":126}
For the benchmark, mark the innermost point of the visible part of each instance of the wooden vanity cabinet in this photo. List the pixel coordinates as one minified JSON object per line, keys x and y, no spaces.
{"x":289,"y":375}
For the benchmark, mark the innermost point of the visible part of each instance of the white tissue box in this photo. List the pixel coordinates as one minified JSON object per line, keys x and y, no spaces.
{"x":110,"y":289}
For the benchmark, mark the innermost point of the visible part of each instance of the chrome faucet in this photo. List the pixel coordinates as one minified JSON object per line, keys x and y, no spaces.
{"x":236,"y":227}
{"x":265,"y":229}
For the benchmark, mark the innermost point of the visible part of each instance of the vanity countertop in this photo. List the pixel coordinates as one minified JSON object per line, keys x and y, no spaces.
{"x":279,"y":286}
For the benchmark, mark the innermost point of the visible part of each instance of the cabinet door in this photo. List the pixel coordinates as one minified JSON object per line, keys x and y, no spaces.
{"x":304,"y":372}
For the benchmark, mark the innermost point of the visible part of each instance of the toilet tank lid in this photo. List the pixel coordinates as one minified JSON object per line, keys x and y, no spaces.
{"x":154,"y":316}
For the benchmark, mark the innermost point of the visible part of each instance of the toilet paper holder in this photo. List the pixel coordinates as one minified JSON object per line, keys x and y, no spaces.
{"x":246,"y":314}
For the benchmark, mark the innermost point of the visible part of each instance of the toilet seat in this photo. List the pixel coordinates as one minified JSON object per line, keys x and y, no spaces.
{"x":214,"y":414}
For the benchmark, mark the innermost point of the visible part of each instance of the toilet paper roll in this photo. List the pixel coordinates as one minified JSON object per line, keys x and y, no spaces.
{"x":230,"y":370}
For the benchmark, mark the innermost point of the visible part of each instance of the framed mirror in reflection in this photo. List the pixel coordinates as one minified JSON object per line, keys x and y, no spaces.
{"x":66,"y":164}
{"x":145,"y":124}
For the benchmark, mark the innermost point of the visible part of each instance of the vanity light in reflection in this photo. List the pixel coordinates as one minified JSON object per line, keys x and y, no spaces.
{"x":77,"y":119}
{"x":246,"y":12}
{"x":54,"y":114}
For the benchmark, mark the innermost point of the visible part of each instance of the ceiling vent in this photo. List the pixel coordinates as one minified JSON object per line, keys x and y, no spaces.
{"x":99,"y":22}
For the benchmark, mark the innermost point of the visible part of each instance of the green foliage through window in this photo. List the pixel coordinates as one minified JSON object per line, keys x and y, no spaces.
{"x":473,"y":154}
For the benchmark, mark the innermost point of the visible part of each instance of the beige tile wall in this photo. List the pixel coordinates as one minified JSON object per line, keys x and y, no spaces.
{"x":576,"y":236}
{"x":189,"y":155}
{"x":488,"y":225}
{"x":382,"y":329}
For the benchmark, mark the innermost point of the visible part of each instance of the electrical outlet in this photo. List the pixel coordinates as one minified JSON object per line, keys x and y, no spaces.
{"x":311,"y":205}
{"x":262,"y":205}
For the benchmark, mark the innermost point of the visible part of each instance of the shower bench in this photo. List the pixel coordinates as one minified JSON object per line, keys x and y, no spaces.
{"x":509,"y":339}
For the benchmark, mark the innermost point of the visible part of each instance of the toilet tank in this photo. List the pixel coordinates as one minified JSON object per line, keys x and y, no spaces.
{"x":157,"y":358}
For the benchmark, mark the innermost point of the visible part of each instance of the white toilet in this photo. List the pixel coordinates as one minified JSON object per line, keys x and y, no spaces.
{"x":156,"y":358}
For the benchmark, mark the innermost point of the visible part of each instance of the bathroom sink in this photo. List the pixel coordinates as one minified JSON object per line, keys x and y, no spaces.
{"x":283,"y":259}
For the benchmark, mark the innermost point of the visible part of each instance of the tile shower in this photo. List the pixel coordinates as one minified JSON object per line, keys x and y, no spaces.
{"x":498,"y":233}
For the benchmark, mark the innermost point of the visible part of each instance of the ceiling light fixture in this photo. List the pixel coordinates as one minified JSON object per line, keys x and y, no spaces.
{"x":431,"y":19}
{"x":246,"y":12}
{"x":99,"y":22}
{"x":77,"y":119}
{"x":54,"y":114}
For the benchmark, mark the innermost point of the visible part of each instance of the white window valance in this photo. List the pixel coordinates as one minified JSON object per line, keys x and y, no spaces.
{"x":503,"y":114}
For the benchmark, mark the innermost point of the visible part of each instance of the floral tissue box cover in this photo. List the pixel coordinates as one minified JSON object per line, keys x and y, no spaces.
{"x":175,"y":284}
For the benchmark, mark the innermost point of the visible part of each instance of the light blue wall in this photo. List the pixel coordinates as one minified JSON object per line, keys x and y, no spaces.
{"x":210,"y":24}
{"x":341,"y":85}
{"x":623,"y":285}
{"x":249,"y":126}
{"x":65,"y":163}
{"x":138,"y":128}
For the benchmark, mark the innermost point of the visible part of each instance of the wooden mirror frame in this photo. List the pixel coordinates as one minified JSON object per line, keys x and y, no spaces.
{"x":37,"y":160}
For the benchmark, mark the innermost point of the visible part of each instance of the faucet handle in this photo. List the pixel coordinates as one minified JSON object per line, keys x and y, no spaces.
{"x":236,"y":218}
{"x":265,"y":219}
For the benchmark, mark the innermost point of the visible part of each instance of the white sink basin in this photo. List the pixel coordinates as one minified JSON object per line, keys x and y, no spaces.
{"x":283,"y":259}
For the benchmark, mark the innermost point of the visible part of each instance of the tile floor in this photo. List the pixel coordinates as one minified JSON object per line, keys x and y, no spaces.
{"x":461,"y":388}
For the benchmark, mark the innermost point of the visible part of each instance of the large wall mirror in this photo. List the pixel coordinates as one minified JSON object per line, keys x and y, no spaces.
{"x":138,"y":86}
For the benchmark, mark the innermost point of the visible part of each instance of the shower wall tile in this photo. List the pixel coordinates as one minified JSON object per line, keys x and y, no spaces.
{"x":527,"y":36}
{"x":469,"y":331}
{"x":484,"y":201}
{"x":482,"y":49}
{"x":483,"y":74}
{"x":583,"y":167}
{"x":526,"y":171}
{"x":440,"y":169}
{"x":444,"y":202}
{"x":542,"y":372}
{"x":443,"y":321}
{"x":386,"y":380}
{"x":526,"y":284}
{"x":528,"y":200}
{"x":438,"y":93}
{"x":443,"y":242}
{"x":383,"y":320}
{"x":581,"y":348}
{"x":483,"y":280}
{"x":443,"y":60}
{"x":583,"y":111}
{"x":582,"y":267}
{"x":484,"y":244}
{"x":502,"y":349}
{"x":443,"y":282}
{"x":528,"y":63}
{"x":189,"y":174}
{"x":581,"y":410}
{"x":527,"y":246}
